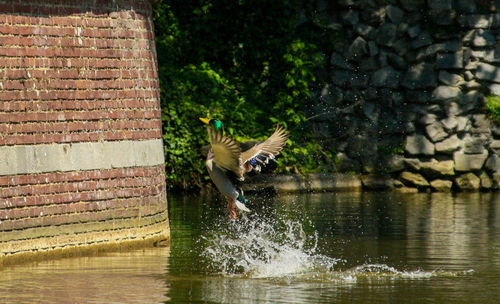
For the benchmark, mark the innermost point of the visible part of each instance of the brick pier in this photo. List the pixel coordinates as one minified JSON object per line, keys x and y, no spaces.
{"x":81,"y":154}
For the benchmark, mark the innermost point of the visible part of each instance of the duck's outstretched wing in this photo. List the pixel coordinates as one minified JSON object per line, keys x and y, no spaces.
{"x":261,"y":153}
{"x":226,"y":152}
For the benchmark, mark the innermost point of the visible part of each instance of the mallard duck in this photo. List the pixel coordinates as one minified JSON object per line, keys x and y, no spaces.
{"x":227,"y":161}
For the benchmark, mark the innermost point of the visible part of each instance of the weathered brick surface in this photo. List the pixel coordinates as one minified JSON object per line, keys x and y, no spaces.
{"x":78,"y":71}
{"x":79,"y":186}
{"x":80,"y":196}
{"x":71,"y":62}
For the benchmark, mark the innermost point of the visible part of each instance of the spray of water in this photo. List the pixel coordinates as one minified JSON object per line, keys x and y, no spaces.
{"x":280,"y":249}
{"x":264,"y":248}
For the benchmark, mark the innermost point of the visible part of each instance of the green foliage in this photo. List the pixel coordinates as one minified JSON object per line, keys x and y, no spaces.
{"x":246,"y":63}
{"x":310,"y":157}
{"x":493,"y":106}
{"x":392,"y":149}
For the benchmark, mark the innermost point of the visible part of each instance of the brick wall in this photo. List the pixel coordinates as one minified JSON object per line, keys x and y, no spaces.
{"x":80,"y":130}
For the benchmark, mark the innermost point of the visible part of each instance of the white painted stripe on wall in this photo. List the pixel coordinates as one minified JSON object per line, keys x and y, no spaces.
{"x":30,"y":159}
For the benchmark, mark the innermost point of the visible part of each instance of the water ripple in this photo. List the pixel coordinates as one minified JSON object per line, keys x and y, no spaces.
{"x":264,"y":248}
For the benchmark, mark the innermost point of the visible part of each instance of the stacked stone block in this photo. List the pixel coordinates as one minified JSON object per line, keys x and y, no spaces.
{"x":409,"y":80}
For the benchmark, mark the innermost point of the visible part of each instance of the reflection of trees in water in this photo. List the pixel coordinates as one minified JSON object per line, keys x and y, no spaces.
{"x":454,"y":229}
{"x":429,"y":231}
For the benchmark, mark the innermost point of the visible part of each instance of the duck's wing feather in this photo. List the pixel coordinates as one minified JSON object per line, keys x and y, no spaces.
{"x":248,"y":145}
{"x":261,"y":153}
{"x":226,"y":152}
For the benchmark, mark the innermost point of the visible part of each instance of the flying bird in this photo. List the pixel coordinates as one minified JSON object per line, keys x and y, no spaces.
{"x":228,"y":160}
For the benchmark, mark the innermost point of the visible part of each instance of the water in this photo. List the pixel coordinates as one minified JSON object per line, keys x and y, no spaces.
{"x":309,"y":248}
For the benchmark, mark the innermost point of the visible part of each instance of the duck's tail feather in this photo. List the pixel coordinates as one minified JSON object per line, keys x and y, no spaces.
{"x":240,"y":201}
{"x":241,"y":206}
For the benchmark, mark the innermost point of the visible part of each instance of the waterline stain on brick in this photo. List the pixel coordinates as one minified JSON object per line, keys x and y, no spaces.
{"x":81,"y":155}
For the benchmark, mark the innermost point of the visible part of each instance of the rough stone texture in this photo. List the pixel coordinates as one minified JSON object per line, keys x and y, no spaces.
{"x":450,"y":79}
{"x":440,"y":185}
{"x":422,"y":40}
{"x":492,"y":56}
{"x":449,"y":123}
{"x":414,"y":31}
{"x":467,"y":6}
{"x":496,"y":131}
{"x":377,"y":182}
{"x":350,"y":16}
{"x":483,"y":38}
{"x":450,"y":61}
{"x":486,"y":182}
{"x":412,"y":163}
{"x":448,"y":145}
{"x":469,"y":162}
{"x":413,"y":179}
{"x":462,"y":123}
{"x":406,"y":190}
{"x":474,"y":145}
{"x":398,"y":183}
{"x":481,"y":124}
{"x":341,"y":78}
{"x":419,"y":144}
{"x":468,"y":182}
{"x":397,"y":61}
{"x":475,"y":21}
{"x":386,"y":77}
{"x":373,"y":49}
{"x":386,"y":34}
{"x":347,"y":164}
{"x":394,"y":13}
{"x":393,"y":163}
{"x":413,"y":73}
{"x":440,"y":5}
{"x":435,"y":168}
{"x":420,"y":76}
{"x":436,"y":131}
{"x":495,"y":146}
{"x":366,"y":31}
{"x":339,"y":61}
{"x":358,"y":48}
{"x":446,"y":93}
{"x":493,"y":163}
{"x":494,"y":89}
{"x":488,"y":72}
{"x":428,"y":118}
{"x":412,"y":5}
{"x":496,"y":180}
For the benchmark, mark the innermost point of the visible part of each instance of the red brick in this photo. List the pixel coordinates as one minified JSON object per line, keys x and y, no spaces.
{"x":71,"y":74}
{"x":58,"y":177}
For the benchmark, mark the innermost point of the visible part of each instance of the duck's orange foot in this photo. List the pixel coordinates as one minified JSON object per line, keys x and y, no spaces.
{"x":231,"y":209}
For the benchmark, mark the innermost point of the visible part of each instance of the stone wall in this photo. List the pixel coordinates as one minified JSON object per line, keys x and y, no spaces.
{"x":81,"y":154}
{"x":407,"y":88}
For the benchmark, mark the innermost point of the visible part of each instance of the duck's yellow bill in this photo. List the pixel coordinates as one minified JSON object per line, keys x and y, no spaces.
{"x":205,"y":120}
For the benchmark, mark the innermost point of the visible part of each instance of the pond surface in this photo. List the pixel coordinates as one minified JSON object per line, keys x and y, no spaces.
{"x":307,"y":248}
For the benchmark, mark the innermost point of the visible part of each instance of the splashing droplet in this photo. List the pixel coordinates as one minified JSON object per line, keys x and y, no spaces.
{"x":259,"y":248}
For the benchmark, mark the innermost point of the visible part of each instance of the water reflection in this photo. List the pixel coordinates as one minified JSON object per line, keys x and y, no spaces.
{"x":124,"y":277}
{"x":410,"y":248}
{"x":308,"y":248}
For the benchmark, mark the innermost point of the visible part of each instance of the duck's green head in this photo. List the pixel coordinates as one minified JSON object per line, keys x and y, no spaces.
{"x":215,"y":123}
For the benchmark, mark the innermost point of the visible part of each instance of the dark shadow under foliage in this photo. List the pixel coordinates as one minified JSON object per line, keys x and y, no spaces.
{"x":251,"y":64}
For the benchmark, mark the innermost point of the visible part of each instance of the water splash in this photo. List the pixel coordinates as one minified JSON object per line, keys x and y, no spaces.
{"x":260,"y":248}
{"x":280,"y":249}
